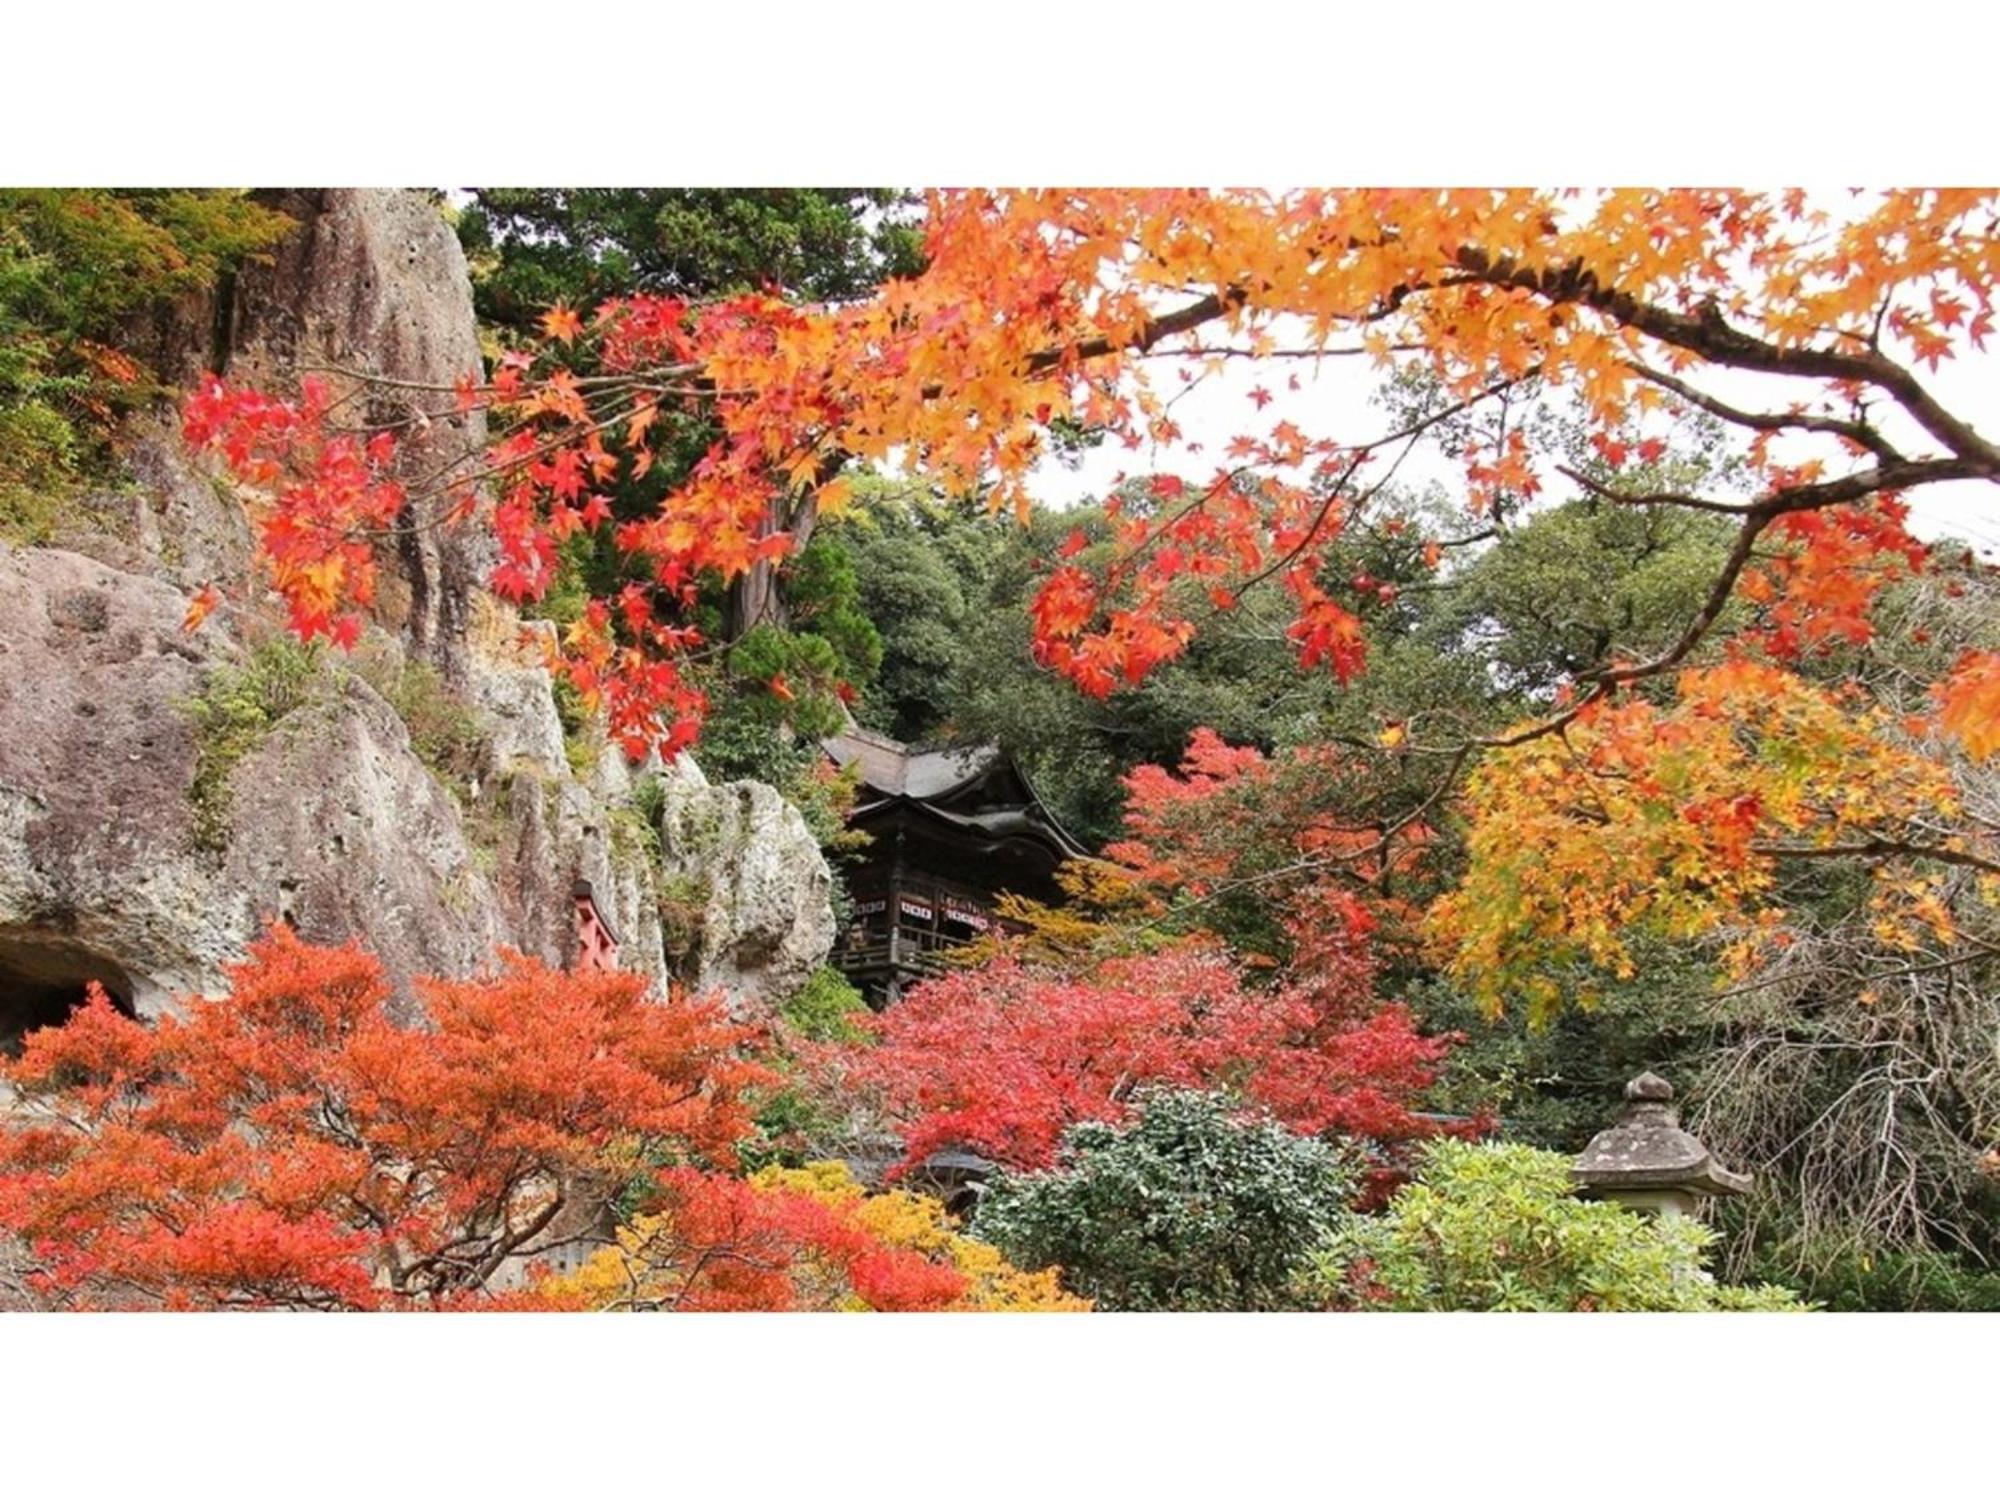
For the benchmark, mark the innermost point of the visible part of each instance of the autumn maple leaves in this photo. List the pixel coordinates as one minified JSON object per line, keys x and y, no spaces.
{"x":1039,"y":308}
{"x":294,"y":1146}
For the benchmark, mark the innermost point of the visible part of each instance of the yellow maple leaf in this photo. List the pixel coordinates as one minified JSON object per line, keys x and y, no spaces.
{"x":835,"y":496}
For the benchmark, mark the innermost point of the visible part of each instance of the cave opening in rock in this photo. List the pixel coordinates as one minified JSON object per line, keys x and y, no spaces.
{"x":44,"y":978}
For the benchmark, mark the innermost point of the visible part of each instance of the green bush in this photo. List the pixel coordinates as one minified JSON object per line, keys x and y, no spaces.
{"x":1194,"y":1205}
{"x":235,"y":709}
{"x":1889,"y":1280}
{"x":825,"y":1008}
{"x":38,"y":461}
{"x":801,"y":1120}
{"x":1495,"y":1228}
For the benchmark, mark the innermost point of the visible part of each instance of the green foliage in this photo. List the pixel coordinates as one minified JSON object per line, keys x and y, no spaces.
{"x":1553,"y":596}
{"x":1550,"y":1081}
{"x":532,"y":247}
{"x":798,"y":1120}
{"x":235,"y":709}
{"x":683,"y":906}
{"x":1495,"y":1228}
{"x":1192,"y":1206}
{"x":1461,"y":650}
{"x":649,"y":800}
{"x":946,"y":583}
{"x":1889,"y":1281}
{"x":105,"y":253}
{"x":783,"y":683}
{"x":922,"y":570}
{"x":633,"y":835}
{"x":823,"y":599}
{"x":38,"y":463}
{"x":766,"y":654}
{"x":825,"y":1008}
{"x":78,"y":268}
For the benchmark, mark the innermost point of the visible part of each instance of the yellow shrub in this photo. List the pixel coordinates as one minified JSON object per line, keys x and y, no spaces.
{"x":911,"y":1221}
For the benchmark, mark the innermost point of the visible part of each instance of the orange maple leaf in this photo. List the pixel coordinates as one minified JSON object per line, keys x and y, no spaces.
{"x":561,"y":322}
{"x":201,"y":606}
{"x":1969,"y":703}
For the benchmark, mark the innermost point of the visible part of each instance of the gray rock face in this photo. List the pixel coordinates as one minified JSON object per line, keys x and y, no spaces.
{"x":766,"y":918}
{"x":374,"y":281}
{"x":337,"y":826}
{"x":371,"y":282}
{"x":96,"y":829}
{"x":332,"y":819}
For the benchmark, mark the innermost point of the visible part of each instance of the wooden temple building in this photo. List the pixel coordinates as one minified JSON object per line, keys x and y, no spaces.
{"x":950,"y":831}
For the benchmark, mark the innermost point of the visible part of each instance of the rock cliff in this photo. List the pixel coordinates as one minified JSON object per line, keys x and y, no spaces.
{"x":163,"y":794}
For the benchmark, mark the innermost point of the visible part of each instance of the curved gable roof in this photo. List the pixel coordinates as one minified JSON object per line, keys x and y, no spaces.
{"x":896,"y":770}
{"x":893,"y":770}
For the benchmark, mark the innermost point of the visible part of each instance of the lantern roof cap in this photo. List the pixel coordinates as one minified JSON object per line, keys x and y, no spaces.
{"x":1648,"y":1149}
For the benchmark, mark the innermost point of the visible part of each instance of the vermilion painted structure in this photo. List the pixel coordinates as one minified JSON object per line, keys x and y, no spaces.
{"x":596,"y":943}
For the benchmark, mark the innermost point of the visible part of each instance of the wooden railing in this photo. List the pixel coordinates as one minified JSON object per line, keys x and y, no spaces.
{"x":921,"y":951}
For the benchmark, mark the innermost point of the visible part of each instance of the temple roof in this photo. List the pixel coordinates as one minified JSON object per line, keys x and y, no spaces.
{"x":978,"y":789}
{"x":900,"y":770}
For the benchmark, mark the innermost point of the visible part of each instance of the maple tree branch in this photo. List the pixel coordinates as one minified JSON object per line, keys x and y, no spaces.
{"x":1141,"y":340}
{"x":1858,"y":432}
{"x":1311,"y":533}
{"x":1759,"y":515}
{"x":1880,"y":848}
{"x":1620,"y":497}
{"x":1706,"y":333}
{"x":1406,"y":435}
{"x":508,"y":1243}
{"x":1228,"y":351}
{"x":1120,"y":566}
{"x":650,"y":375}
{"x":1705,"y":618}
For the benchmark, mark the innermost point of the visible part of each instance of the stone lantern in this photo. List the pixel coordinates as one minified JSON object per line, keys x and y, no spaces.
{"x":1647,"y":1162}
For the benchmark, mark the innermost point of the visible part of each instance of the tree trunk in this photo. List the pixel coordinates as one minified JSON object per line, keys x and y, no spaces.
{"x":755,"y":598}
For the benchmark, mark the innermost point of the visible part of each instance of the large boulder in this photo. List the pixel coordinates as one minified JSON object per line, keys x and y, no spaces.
{"x":374,"y":282}
{"x":760,"y":890}
{"x":132,"y":852}
{"x":97,"y":849}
